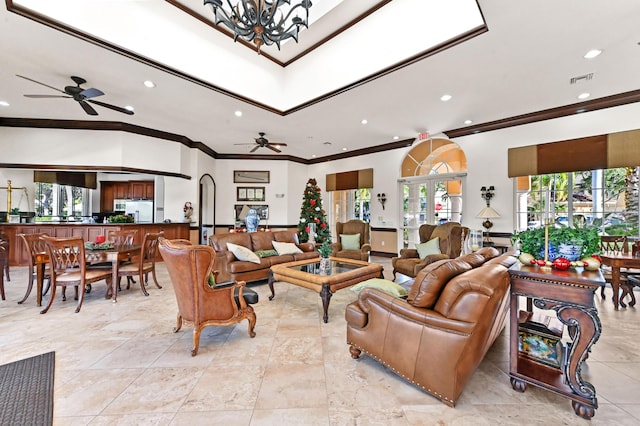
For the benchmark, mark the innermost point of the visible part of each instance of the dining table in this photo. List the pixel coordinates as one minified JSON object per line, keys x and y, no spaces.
{"x":114,"y":254}
{"x":616,"y":261}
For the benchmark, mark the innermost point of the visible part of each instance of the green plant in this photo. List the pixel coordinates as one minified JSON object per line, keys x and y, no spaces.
{"x":532,"y":240}
{"x":325,"y":249}
{"x":15,"y":210}
{"x":120,"y":218}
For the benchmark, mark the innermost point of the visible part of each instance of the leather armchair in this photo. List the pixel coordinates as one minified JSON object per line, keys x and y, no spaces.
{"x":199,"y":304}
{"x":353,"y":227}
{"x":451,"y":235}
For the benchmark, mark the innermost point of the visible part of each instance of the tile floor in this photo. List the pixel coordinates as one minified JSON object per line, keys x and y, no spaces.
{"x":121,"y":364}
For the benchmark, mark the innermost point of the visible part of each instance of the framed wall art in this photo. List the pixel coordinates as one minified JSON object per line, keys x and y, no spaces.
{"x":250,"y":193}
{"x":261,"y":209}
{"x":250,"y":176}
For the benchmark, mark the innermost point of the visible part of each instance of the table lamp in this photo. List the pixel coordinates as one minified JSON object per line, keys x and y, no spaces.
{"x":487,"y":214}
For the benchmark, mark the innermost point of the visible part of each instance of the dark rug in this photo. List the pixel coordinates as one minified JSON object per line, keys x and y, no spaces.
{"x":26,"y":391}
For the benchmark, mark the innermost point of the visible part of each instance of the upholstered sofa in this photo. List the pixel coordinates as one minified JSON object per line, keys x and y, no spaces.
{"x":439,"y":334}
{"x":451,"y":236}
{"x":231,"y":269}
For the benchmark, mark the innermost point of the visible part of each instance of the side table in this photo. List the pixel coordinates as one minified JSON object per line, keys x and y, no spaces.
{"x":570,"y":294}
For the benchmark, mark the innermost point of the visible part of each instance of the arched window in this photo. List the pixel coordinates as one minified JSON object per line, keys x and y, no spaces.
{"x":433,"y":174}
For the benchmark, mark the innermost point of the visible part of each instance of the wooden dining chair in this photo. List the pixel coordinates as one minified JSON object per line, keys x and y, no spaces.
{"x":4,"y":242}
{"x":3,"y":261}
{"x":144,"y":264}
{"x":617,"y":244}
{"x":35,"y":244}
{"x":69,"y":268}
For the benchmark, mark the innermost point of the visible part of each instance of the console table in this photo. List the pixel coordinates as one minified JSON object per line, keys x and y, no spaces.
{"x":570,"y":294}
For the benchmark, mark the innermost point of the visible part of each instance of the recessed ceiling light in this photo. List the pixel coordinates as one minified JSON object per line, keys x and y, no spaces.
{"x":150,"y":84}
{"x":129,"y":108}
{"x":395,"y":138}
{"x":584,"y":95}
{"x":4,"y":103}
{"x":238,"y":113}
{"x":592,"y":53}
{"x":445,"y":98}
{"x":581,"y":110}
{"x":313,"y":156}
{"x":468,"y":121}
{"x":364,"y":121}
{"x":344,"y":149}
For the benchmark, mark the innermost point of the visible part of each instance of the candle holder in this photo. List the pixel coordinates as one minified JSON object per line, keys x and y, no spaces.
{"x":547,"y":222}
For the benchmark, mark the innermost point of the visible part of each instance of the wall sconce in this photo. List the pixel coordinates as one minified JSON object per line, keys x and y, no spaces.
{"x":279,"y":195}
{"x":487,"y":194}
{"x":382,"y":198}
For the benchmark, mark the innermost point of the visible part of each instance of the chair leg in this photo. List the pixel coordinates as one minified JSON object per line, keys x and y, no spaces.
{"x":29,"y":288}
{"x":178,"y":323}
{"x":142,"y":286}
{"x":64,"y":294}
{"x":196,"y":341}
{"x":602,"y":292}
{"x":2,"y":287}
{"x":251,"y":316}
{"x":155,"y":280}
{"x":51,"y":297}
{"x":80,"y":299}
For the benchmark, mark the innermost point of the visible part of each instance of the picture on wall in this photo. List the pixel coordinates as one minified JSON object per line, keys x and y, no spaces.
{"x":250,"y":176}
{"x":250,"y":193}
{"x":261,"y":209}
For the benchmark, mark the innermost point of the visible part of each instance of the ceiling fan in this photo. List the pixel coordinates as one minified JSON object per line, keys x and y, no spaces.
{"x":80,"y":95}
{"x":263,"y":142}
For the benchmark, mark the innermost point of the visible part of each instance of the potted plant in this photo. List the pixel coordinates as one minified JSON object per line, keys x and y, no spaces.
{"x":14,"y":215}
{"x":564,"y":241}
{"x":325,"y":252}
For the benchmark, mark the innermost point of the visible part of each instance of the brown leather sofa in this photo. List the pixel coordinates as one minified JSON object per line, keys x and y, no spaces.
{"x":439,"y":334}
{"x":451,"y":236}
{"x":231,"y":269}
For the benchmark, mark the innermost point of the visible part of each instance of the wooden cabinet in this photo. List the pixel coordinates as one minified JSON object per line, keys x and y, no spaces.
{"x":568,"y":295}
{"x":141,"y":190}
{"x":121,"y":191}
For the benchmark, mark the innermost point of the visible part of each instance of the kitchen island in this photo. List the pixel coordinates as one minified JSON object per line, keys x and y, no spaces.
{"x":88,"y":231}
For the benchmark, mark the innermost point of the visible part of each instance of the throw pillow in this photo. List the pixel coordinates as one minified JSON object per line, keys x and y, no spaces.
{"x":431,"y":280}
{"x":266,"y":253}
{"x":243,"y":253}
{"x":430,"y":247}
{"x":387,"y":286}
{"x":285,"y":248}
{"x":350,"y":241}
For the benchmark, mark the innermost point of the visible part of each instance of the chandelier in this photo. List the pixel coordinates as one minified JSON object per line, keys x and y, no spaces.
{"x":261,"y":21}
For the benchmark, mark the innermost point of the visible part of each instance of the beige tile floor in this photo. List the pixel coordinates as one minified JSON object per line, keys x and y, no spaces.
{"x":121,"y":364}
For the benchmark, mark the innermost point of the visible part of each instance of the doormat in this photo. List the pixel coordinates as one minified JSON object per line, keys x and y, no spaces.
{"x":26,"y":391}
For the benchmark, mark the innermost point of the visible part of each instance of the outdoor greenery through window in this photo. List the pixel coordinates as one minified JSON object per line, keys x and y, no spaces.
{"x":352,"y":204}
{"x":60,"y":202}
{"x":606,"y":199}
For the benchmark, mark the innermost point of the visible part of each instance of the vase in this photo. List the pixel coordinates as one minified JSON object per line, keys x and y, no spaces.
{"x":571,"y":252}
{"x":325,"y":266}
{"x":252,"y":221}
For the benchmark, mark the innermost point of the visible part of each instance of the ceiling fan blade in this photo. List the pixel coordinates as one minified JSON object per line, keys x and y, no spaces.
{"x":88,"y":108}
{"x":46,"y":96}
{"x":91,"y":93}
{"x":113,"y":107}
{"x":278,"y":144}
{"x":272,"y":148}
{"x":244,"y":144}
{"x":42,"y":84}
{"x":254,"y":149}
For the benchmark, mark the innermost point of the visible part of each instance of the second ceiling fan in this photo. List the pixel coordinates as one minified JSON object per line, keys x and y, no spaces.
{"x":262,"y":142}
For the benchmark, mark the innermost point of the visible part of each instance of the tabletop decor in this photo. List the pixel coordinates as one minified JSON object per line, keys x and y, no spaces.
{"x":188,"y":211}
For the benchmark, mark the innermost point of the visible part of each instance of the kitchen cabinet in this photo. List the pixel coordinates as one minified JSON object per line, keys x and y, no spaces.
{"x":124,"y":190}
{"x":141,"y":190}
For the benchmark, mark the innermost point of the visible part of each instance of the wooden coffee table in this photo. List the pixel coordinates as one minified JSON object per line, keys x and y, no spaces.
{"x":305,"y":273}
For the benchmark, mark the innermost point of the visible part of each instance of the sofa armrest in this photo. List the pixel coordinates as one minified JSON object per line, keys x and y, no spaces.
{"x":306,"y":247}
{"x":335,"y":247}
{"x":408,"y":253}
{"x":366,"y":248}
{"x":402,"y":308}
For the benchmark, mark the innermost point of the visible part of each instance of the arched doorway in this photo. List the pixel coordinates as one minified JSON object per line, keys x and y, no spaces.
{"x":433,"y":176}
{"x":207,"y":211}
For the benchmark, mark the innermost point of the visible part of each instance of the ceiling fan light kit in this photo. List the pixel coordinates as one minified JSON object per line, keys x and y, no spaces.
{"x":263,"y":142}
{"x":78,"y":94}
{"x":261,"y":21}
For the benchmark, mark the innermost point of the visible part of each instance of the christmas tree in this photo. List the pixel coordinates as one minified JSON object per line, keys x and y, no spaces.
{"x":313,"y":213}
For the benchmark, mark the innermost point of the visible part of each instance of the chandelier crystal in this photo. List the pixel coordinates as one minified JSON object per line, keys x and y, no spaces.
{"x":261,"y":21}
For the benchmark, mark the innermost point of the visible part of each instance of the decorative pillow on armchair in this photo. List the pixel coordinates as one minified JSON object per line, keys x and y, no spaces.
{"x":387,"y":286}
{"x":243,"y":253}
{"x":350,"y":241}
{"x":430,"y":247}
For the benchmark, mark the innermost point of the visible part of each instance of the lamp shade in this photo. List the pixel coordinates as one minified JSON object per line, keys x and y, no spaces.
{"x":244,"y":212}
{"x":488,"y":213}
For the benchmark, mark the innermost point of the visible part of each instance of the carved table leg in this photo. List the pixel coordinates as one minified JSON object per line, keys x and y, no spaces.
{"x":582,"y":410}
{"x":271,"y":279}
{"x":325,"y":294}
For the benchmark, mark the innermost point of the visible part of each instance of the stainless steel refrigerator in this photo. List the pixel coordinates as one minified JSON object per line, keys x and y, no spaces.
{"x":142,"y":211}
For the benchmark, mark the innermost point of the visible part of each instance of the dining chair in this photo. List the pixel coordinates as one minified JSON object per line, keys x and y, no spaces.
{"x":616,"y":244}
{"x":4,"y":242}
{"x":69,"y":268}
{"x":144,"y":264}
{"x":3,"y":261}
{"x":35,"y":245}
{"x":118,"y":237}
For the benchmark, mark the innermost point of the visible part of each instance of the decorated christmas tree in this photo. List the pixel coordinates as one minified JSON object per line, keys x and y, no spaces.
{"x":313,"y":213}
